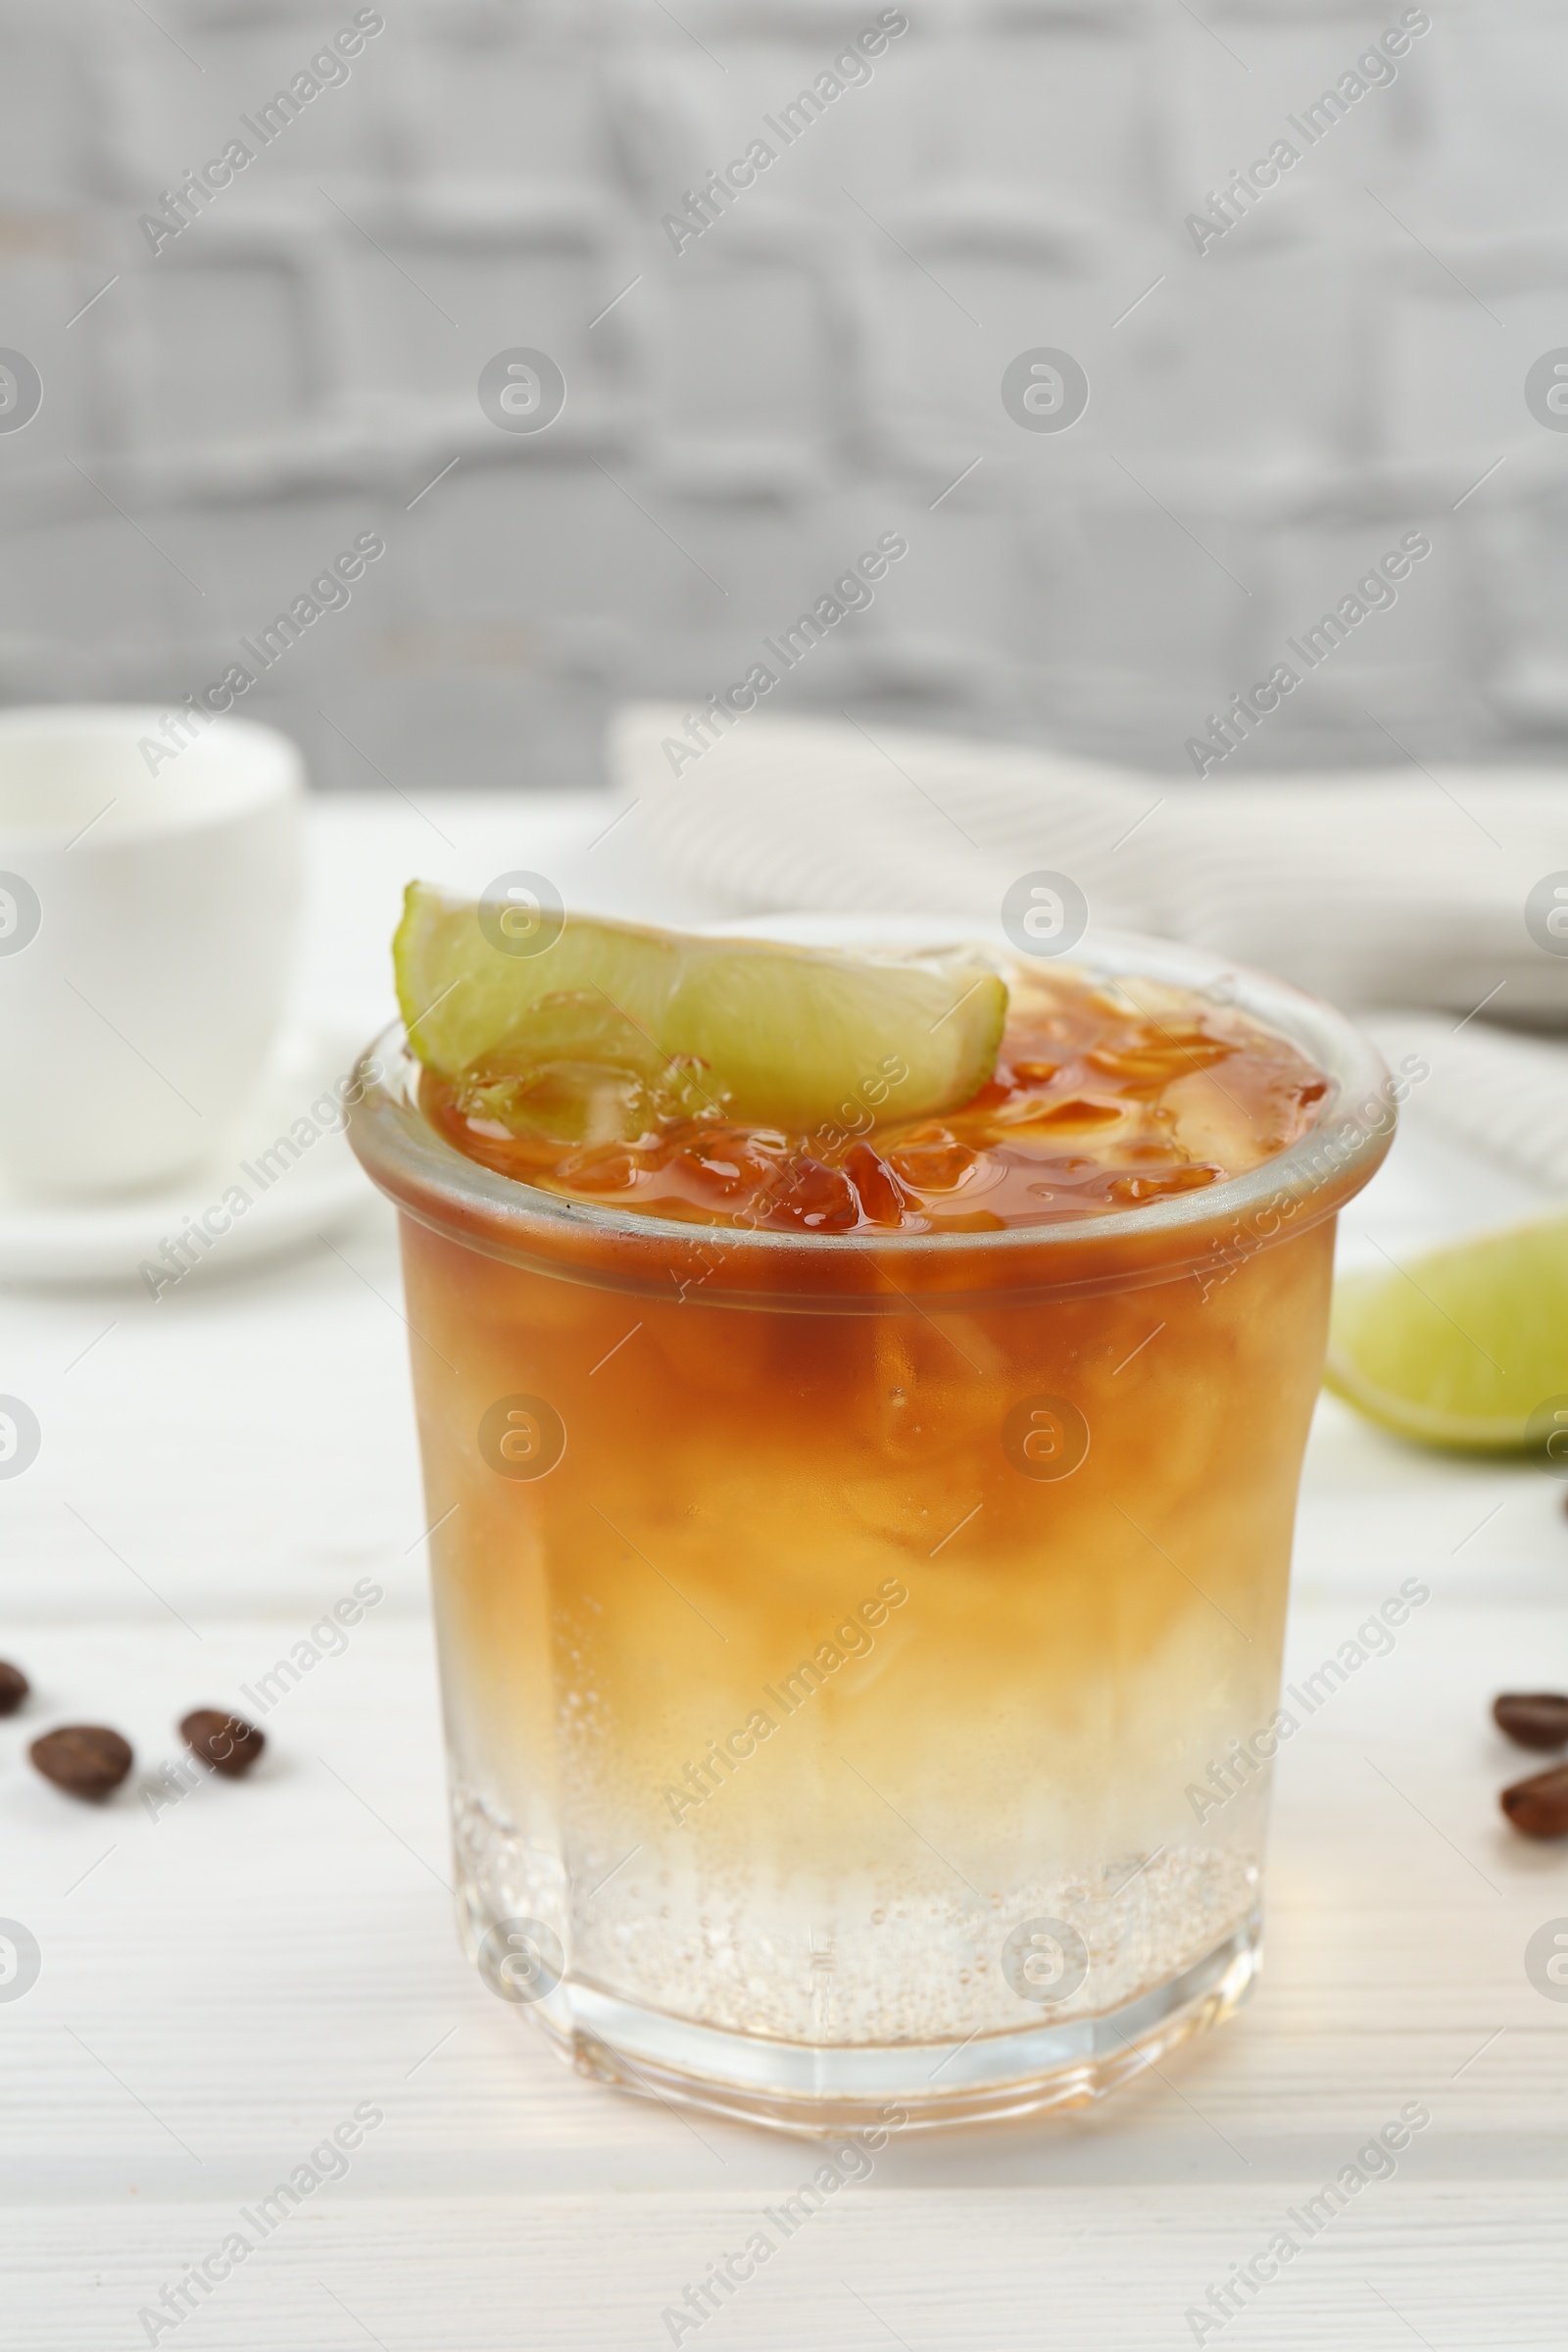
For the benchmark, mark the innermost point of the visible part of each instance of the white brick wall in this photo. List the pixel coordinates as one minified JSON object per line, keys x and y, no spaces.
{"x":300,"y":363}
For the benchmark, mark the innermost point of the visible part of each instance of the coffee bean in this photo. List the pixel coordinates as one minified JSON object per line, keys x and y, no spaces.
{"x":1534,"y":1718}
{"x":82,"y":1759}
{"x":14,"y":1687}
{"x":1540,"y":1806}
{"x":227,"y":1742}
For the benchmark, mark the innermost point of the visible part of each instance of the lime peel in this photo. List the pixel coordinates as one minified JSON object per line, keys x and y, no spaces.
{"x":799,"y":1037}
{"x":1464,"y":1344}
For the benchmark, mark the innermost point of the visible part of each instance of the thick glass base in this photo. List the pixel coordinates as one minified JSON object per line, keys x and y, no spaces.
{"x":794,"y":2086}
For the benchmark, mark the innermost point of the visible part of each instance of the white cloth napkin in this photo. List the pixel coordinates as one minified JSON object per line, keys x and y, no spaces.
{"x":1506,"y":1094}
{"x":1381,"y":887}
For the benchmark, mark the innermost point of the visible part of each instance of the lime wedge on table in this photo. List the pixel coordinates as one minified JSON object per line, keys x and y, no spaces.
{"x":791,"y":1034}
{"x":1466,"y":1346}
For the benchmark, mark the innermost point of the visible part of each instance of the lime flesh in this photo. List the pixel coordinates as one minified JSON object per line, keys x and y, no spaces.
{"x":1463,"y":1347}
{"x":794,"y":1037}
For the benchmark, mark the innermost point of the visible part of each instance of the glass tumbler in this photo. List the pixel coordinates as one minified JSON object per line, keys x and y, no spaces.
{"x":861,"y":1657}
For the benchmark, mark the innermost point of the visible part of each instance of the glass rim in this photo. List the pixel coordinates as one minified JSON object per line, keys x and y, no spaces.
{"x":429,"y":1178}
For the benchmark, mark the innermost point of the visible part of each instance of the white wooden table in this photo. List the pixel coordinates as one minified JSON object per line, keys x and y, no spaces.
{"x":224,"y":1985}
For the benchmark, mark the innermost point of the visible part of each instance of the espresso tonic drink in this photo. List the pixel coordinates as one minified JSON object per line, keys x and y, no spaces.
{"x":863,"y":1535}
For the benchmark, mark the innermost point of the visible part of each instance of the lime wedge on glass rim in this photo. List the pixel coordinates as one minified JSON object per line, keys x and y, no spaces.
{"x":1466,"y":1346}
{"x":788,"y":1034}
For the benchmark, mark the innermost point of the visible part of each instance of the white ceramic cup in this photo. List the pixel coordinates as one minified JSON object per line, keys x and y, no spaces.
{"x":148,"y":911}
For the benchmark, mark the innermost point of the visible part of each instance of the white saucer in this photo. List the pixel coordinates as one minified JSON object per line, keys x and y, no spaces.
{"x":288,"y":1198}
